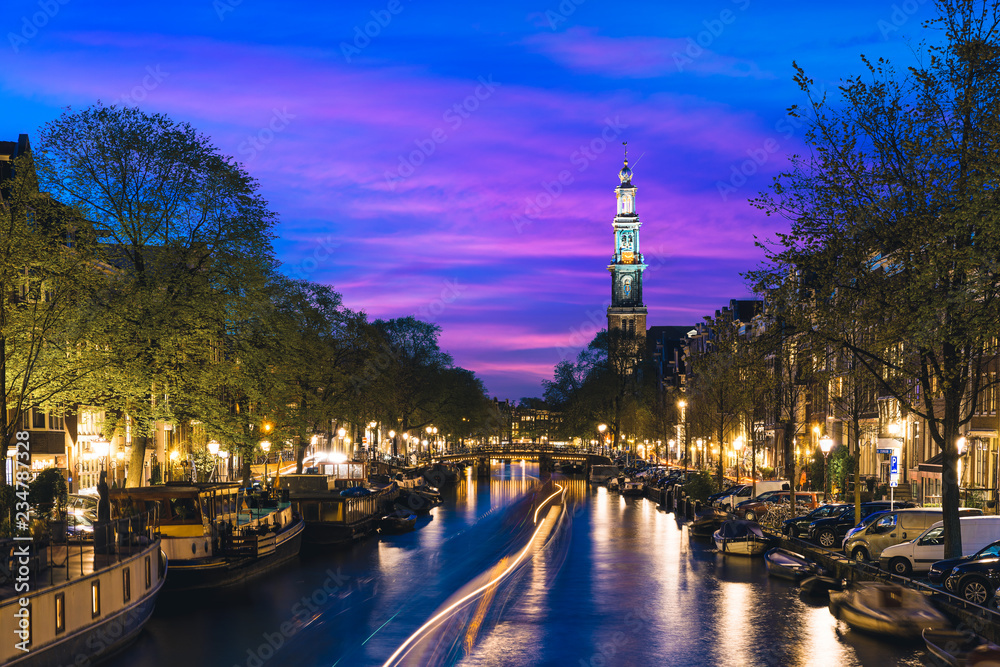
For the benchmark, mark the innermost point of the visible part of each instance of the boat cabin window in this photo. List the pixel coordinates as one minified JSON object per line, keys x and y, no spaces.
{"x":310,"y":511}
{"x":932,"y":537}
{"x":184,"y":510}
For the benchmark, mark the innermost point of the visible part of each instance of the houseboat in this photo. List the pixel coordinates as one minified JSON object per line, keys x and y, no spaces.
{"x":332,"y":518}
{"x":212,"y":533}
{"x":80,"y":612}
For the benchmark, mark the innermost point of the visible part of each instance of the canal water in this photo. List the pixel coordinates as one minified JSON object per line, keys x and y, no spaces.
{"x":599,"y":580}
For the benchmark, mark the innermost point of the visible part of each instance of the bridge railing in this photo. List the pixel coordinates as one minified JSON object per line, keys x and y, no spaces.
{"x":515,"y":448}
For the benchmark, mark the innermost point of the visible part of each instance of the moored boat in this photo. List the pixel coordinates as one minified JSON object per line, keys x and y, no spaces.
{"x":211,"y":534}
{"x":886,"y":609}
{"x":785,"y":564}
{"x":820,"y":585}
{"x":958,"y":648}
{"x":744,"y":538}
{"x":83,"y":618}
{"x":707,"y":522}
{"x":631,"y":487}
{"x":400,"y":521}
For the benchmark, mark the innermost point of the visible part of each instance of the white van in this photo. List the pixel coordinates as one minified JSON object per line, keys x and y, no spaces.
{"x":731,"y":501}
{"x":919,"y":554}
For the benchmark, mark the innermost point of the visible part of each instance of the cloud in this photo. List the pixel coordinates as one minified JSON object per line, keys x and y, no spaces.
{"x":582,"y":50}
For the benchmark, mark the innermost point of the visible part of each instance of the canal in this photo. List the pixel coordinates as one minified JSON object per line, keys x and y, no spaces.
{"x":603,"y":580}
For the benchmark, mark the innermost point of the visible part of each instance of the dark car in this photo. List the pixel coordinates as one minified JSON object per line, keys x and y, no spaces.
{"x":799,"y":525}
{"x":830,"y":531}
{"x":941,"y":570}
{"x":975,"y":580}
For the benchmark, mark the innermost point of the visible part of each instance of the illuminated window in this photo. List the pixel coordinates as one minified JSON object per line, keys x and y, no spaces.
{"x":95,"y":599}
{"x":60,"y":612}
{"x":127,"y":584}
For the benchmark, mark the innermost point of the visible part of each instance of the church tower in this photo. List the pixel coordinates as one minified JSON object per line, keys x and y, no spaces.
{"x":627,"y":310}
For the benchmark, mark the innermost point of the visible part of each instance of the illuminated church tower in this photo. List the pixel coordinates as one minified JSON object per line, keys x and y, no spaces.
{"x":627,"y":310}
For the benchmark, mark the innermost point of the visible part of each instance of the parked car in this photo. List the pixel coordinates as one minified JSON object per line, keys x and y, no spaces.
{"x":799,"y":525}
{"x":975,"y":580}
{"x":753,"y":509}
{"x":744,"y":493}
{"x":894,"y":527}
{"x":81,"y":525}
{"x":728,"y":491}
{"x":942,"y":569}
{"x":917,"y":555}
{"x":81,"y":504}
{"x":828,"y":532}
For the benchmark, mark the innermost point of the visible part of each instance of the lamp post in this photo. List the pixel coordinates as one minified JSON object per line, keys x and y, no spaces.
{"x":224,"y":455}
{"x":683,"y":425}
{"x":174,"y":455}
{"x":213,"y":449}
{"x":700,"y":445}
{"x":601,"y":428}
{"x":825,"y":445}
{"x":340,"y":434}
{"x":265,"y":446}
{"x":392,"y":437}
{"x":738,"y":448}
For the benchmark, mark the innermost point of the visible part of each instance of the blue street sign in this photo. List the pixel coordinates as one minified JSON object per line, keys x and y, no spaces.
{"x":894,"y":465}
{"x":894,"y":483}
{"x":883,"y":451}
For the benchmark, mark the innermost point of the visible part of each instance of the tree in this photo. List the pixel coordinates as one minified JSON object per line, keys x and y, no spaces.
{"x":894,"y":224}
{"x":179,"y":226}
{"x":46,"y":320}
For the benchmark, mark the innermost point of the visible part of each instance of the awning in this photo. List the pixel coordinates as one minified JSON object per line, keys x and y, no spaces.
{"x":933,"y":464}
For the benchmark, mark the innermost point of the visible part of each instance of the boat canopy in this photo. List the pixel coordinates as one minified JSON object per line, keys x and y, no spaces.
{"x":734,"y":529}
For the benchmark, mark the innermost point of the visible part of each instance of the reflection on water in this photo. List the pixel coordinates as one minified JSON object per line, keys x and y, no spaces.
{"x":617,"y":583}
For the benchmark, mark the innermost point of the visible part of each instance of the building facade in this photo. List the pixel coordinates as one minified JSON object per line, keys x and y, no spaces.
{"x":627,"y":311}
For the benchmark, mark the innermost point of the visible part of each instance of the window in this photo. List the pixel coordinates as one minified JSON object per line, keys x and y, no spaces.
{"x":95,"y":599}
{"x":149,"y":574}
{"x":126,"y":584}
{"x":37,"y":418}
{"x":60,"y":612}
{"x":56,"y":422}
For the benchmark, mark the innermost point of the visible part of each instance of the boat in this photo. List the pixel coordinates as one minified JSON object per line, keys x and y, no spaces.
{"x":959,"y":648}
{"x":85,"y":613}
{"x":400,"y":521}
{"x":613,"y":484}
{"x":414,"y":501}
{"x":632,"y":488}
{"x":707,"y":522}
{"x":741,"y":537}
{"x":886,"y":609}
{"x":214,"y":534}
{"x":785,"y":564}
{"x":820,"y":585}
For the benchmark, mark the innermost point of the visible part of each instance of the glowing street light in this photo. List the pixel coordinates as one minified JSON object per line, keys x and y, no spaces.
{"x":825,"y":445}
{"x":265,"y":446}
{"x":738,"y":448}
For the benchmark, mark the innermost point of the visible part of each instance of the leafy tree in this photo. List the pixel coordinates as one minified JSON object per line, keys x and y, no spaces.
{"x":894,"y":224}
{"x":45,"y":317}
{"x":179,"y":226}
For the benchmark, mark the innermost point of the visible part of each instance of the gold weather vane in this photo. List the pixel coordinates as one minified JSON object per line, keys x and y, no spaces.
{"x":625,"y":144}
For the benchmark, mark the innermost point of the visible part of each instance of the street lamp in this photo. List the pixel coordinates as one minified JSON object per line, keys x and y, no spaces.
{"x":224,"y":455}
{"x":601,"y":428}
{"x":738,"y":448}
{"x":213,"y":449}
{"x":174,"y":455}
{"x":265,"y":446}
{"x":825,"y":445}
{"x":392,"y":436}
{"x":683,"y":426}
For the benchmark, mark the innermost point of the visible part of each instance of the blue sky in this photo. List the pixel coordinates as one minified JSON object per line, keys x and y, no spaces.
{"x":413,"y":149}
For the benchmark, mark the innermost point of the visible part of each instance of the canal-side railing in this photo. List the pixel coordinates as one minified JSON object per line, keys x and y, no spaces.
{"x":364,"y":508}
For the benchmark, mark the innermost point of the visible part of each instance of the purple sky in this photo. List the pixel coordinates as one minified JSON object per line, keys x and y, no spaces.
{"x":417,"y":171}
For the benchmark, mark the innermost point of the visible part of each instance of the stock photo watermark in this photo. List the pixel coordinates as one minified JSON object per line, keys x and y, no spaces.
{"x":455,"y":116}
{"x":581,"y":159}
{"x":30,"y":25}
{"x":714,"y":28}
{"x":255,"y":143}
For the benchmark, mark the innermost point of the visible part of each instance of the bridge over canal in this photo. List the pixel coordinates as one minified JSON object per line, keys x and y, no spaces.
{"x":546,"y":455}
